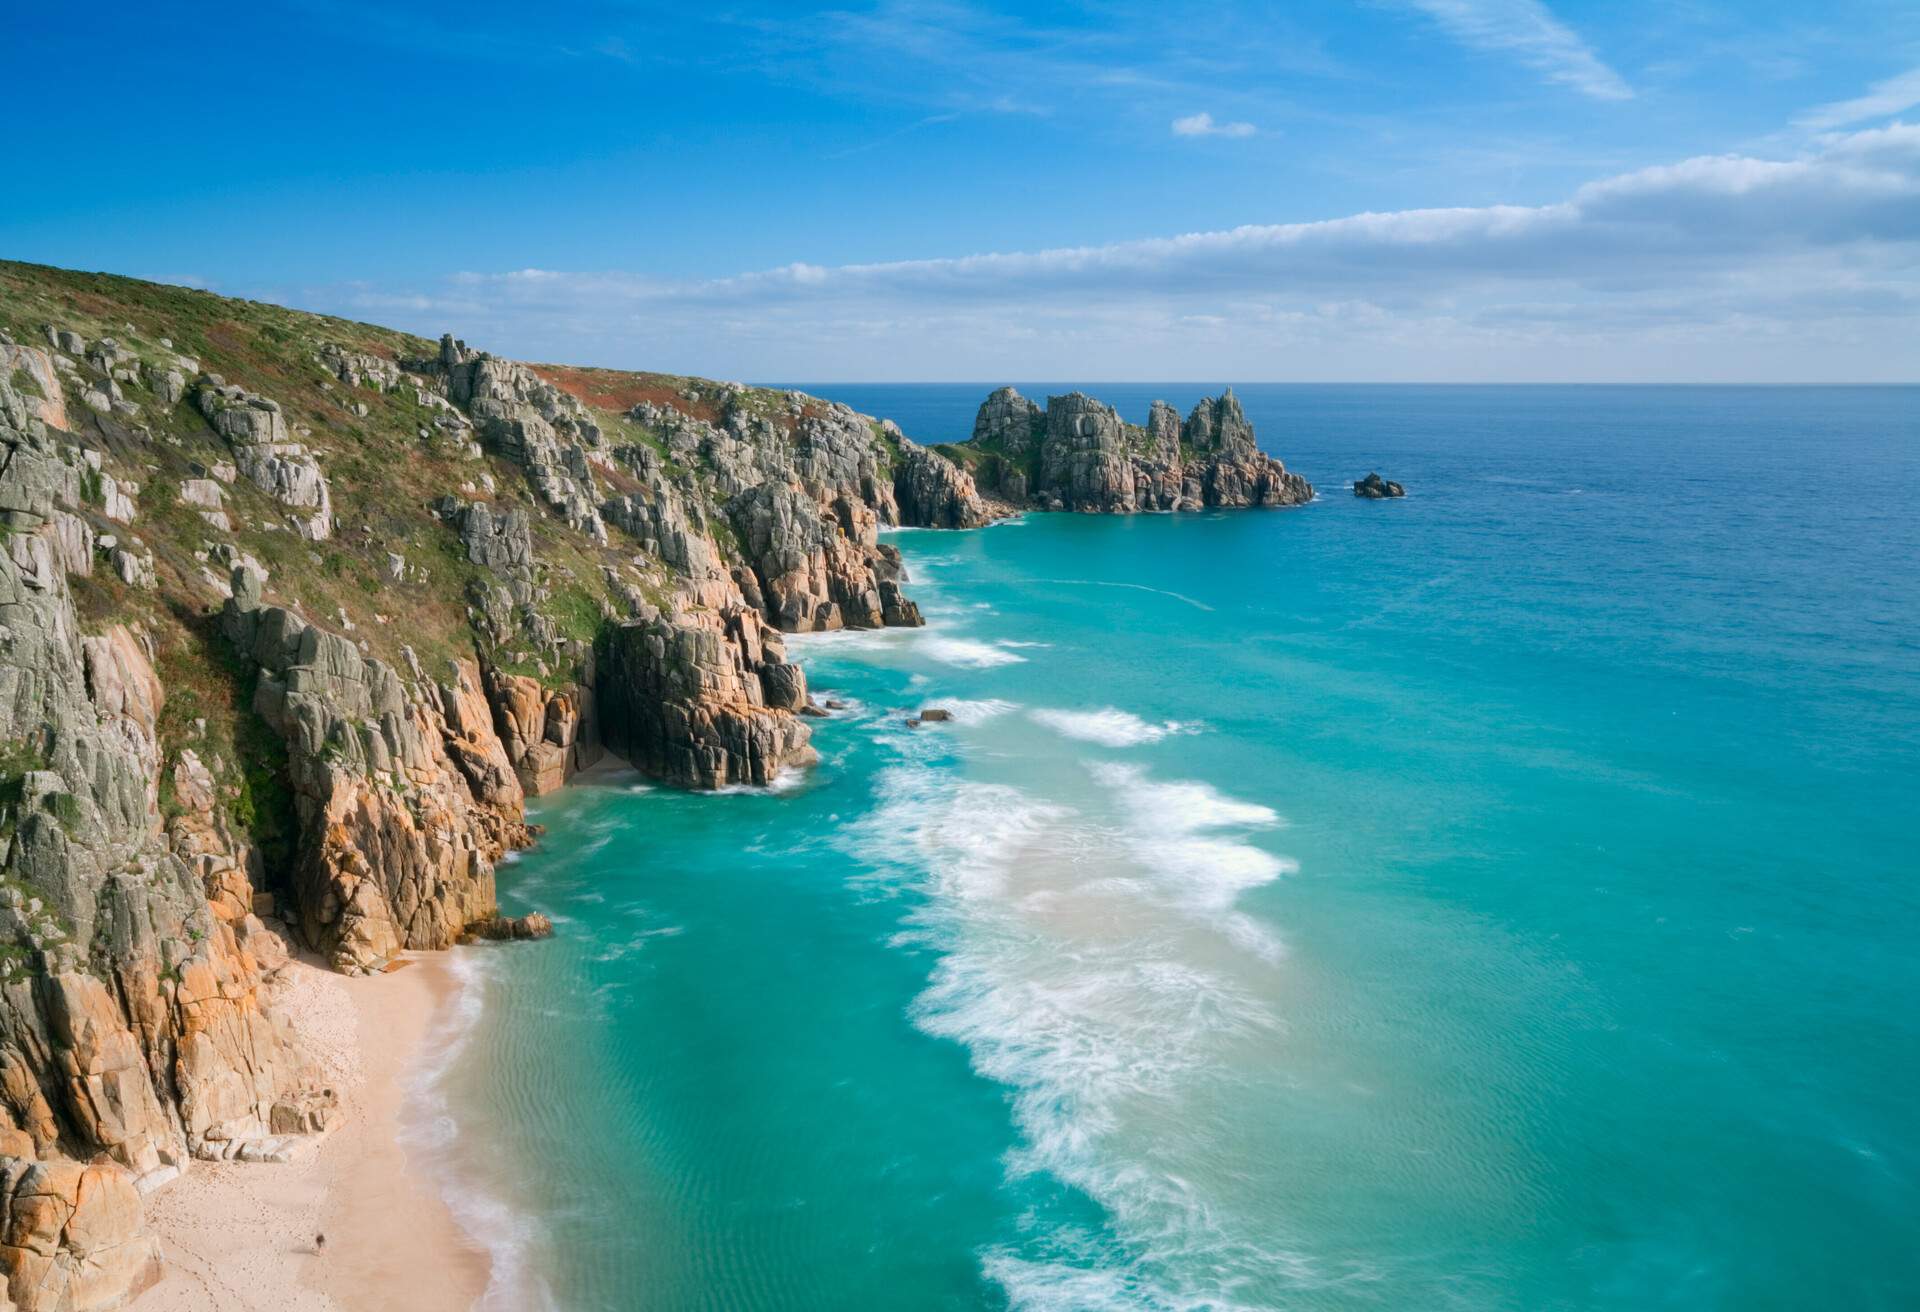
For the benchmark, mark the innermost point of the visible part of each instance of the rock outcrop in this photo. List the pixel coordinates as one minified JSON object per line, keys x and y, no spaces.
{"x":704,"y":698}
{"x":807,"y":489}
{"x":405,"y":795}
{"x":933,"y":492}
{"x":531,"y":422}
{"x":286,"y":471}
{"x":507,"y":929}
{"x":30,"y":372}
{"x":1078,"y":454}
{"x":1375,"y":488}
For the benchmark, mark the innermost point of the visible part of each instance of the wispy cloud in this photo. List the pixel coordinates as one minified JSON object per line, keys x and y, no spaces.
{"x":1717,"y":266}
{"x":1527,"y":30}
{"x":1202,"y":125}
{"x":1890,"y":96}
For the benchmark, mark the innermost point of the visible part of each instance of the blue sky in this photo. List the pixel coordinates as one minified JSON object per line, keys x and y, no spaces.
{"x":1384,"y":189}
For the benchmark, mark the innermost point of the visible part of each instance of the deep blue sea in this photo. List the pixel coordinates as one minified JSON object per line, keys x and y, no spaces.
{"x":1503,"y":898}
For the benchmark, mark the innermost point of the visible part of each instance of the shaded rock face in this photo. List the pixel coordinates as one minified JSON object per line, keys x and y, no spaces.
{"x":934,"y":492}
{"x":1078,"y":454}
{"x":548,"y":735}
{"x":1375,"y":488}
{"x":703,"y":698}
{"x":134,"y":1034}
{"x":405,"y":795}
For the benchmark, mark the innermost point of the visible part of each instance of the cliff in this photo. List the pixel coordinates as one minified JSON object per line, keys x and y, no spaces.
{"x":296,"y":613}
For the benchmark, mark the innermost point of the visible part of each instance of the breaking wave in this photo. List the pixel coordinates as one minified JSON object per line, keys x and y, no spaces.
{"x":1109,"y":726}
{"x":1094,"y":1029}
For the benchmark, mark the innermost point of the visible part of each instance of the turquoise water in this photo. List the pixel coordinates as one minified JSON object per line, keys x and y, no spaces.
{"x":1503,"y":898}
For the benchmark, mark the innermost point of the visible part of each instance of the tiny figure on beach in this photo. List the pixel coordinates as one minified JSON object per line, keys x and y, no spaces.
{"x":319,"y":1243}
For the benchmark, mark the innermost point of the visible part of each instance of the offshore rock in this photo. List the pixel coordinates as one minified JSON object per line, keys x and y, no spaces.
{"x":1078,"y":454}
{"x":1375,"y":488}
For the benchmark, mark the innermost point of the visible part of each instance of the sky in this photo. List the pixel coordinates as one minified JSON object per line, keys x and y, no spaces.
{"x":1378,"y":190}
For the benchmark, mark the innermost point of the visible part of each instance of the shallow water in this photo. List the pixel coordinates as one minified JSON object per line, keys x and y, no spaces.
{"x":1502,"y":898}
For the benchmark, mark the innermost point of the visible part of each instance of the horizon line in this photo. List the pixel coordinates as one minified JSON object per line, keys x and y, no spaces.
{"x":1297,"y":382}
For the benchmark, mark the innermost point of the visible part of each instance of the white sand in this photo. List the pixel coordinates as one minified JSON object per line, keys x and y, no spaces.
{"x":241,"y":1236}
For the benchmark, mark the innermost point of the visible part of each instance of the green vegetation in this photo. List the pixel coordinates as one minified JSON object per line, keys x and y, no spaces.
{"x":209,"y":708}
{"x":18,"y":759}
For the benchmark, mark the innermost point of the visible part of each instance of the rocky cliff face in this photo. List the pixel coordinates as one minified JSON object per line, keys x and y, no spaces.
{"x":133,"y":1035}
{"x":1078,"y":454}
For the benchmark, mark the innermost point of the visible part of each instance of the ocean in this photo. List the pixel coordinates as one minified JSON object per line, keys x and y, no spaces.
{"x":1502,"y":898}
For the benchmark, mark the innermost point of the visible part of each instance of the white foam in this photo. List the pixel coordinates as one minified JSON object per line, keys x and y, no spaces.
{"x":637,"y":942}
{"x":934,"y":641}
{"x":971,"y":712}
{"x":508,"y":1236}
{"x":785,"y":781}
{"x":968,"y":652}
{"x":1109,"y":726}
{"x":1172,"y":829}
{"x":1048,"y":980}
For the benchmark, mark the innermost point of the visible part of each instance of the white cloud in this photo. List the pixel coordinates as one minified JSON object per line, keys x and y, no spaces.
{"x":1202,"y":125}
{"x":1883,"y":99}
{"x":1718,"y":267}
{"x":1527,"y":30}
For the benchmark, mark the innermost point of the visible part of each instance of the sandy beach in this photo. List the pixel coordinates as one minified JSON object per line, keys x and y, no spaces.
{"x":241,"y":1236}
